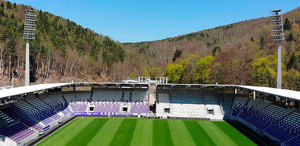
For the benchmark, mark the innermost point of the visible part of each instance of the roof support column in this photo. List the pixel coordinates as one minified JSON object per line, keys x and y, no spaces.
{"x":288,"y":103}
{"x":297,"y":105}
{"x":254,"y":96}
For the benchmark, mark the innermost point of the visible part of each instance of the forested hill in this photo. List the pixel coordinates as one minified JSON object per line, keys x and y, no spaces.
{"x":239,"y":53}
{"x":62,"y":50}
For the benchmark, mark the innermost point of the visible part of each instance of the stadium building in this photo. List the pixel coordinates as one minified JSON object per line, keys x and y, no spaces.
{"x":27,"y":113}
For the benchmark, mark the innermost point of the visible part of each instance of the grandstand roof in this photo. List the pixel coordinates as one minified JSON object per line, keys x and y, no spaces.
{"x":28,"y":89}
{"x":295,"y":95}
{"x":34,"y":88}
{"x":275,"y":91}
{"x":130,"y":85}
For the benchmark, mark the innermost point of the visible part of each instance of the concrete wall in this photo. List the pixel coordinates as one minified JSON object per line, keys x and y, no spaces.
{"x":207,"y":101}
{"x":189,"y":110}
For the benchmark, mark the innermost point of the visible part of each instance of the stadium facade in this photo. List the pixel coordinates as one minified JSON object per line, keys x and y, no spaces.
{"x":31,"y":111}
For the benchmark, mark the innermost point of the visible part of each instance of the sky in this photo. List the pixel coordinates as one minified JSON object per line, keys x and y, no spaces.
{"x":148,"y":20}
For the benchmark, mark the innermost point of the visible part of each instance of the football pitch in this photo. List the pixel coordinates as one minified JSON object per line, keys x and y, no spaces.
{"x":145,"y":132}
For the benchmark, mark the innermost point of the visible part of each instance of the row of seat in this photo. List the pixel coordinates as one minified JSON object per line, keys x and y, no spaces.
{"x":281,"y":123}
{"x":16,"y":132}
{"x":7,"y":119}
{"x":19,"y":115}
{"x":44,"y":110}
{"x":32,"y":114}
{"x":193,"y":98}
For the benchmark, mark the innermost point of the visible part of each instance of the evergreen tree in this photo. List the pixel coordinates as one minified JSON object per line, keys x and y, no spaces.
{"x":290,"y":37}
{"x":291,"y":62}
{"x":9,"y":5}
{"x":2,"y":13}
{"x":287,"y":24}
{"x":262,"y":42}
{"x":177,"y":54}
{"x":215,"y":50}
{"x":2,"y":5}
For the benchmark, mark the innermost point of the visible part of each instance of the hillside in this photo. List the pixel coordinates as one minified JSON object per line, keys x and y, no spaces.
{"x":239,"y":53}
{"x":61,"y":52}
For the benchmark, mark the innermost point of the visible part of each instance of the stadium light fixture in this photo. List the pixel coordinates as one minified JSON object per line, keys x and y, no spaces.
{"x":277,"y":35}
{"x":29,"y":28}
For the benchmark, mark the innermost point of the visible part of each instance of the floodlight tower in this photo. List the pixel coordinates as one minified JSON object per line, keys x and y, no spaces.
{"x":277,"y":35}
{"x":29,"y":28}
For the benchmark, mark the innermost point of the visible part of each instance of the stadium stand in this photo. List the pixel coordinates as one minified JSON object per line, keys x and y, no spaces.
{"x":226,"y":100}
{"x":79,"y":106}
{"x":36,"y":113}
{"x":294,"y":141}
{"x":20,"y":116}
{"x":33,"y":111}
{"x":238,"y":104}
{"x":114,"y":102}
{"x":281,"y":124}
{"x":189,"y":103}
{"x":16,"y":132}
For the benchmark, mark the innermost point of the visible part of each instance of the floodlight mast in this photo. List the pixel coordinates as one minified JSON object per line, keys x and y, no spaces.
{"x":29,"y":28}
{"x":277,"y":35}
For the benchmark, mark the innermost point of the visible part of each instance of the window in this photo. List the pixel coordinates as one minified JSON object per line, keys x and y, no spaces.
{"x":125,"y":109}
{"x":167,"y":110}
{"x":91,"y":109}
{"x":211,"y":111}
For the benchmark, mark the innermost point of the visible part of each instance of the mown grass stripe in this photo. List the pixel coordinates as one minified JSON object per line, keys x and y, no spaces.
{"x":86,"y":134}
{"x":124,"y":134}
{"x":180,"y":134}
{"x":143,"y":133}
{"x":106,"y":133}
{"x":235,"y":135}
{"x":66,"y":134}
{"x":217,"y":135}
{"x":161,"y":133}
{"x":198,"y":134}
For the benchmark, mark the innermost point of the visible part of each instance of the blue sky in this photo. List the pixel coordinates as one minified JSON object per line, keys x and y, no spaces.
{"x":146,"y":20}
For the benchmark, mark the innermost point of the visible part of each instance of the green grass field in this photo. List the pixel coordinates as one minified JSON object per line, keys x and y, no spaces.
{"x":145,"y":132}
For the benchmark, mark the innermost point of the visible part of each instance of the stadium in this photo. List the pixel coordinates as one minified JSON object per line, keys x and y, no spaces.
{"x":150,"y":110}
{"x":148,"y":113}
